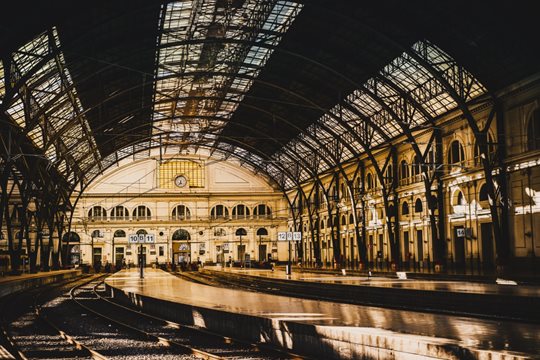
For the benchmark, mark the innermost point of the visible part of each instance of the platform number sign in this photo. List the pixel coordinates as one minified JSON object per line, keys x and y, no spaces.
{"x":460,"y":232}
{"x":289,"y":236}
{"x":142,"y":239}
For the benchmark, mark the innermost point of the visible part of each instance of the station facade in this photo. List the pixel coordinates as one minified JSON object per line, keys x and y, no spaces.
{"x":196,"y":209}
{"x":347,"y":205}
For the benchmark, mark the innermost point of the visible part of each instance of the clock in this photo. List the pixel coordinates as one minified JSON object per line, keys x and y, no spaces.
{"x":180,"y":181}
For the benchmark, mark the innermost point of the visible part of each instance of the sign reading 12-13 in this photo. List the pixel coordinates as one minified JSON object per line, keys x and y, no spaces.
{"x":289,"y":236}
{"x":141,"y":239}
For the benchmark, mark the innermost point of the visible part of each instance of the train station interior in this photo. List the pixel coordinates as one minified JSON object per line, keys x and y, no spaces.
{"x":320,"y":179}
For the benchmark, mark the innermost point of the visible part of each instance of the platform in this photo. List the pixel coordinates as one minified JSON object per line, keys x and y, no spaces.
{"x":325,"y":329}
{"x":13,"y":283}
{"x":387,"y":282}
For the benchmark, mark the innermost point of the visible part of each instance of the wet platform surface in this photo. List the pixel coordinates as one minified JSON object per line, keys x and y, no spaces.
{"x":478,"y":333}
{"x":412,"y":284}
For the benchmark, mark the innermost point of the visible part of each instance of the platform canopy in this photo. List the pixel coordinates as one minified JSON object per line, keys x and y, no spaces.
{"x":289,"y":88}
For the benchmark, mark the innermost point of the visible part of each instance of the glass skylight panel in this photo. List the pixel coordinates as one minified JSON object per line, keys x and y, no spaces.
{"x":415,"y":81}
{"x":16,"y":112}
{"x":209,"y":69}
{"x":52,"y":96}
{"x":36,"y":135}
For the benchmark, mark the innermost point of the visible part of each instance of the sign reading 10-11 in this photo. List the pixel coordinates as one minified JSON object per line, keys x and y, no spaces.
{"x":142,"y":239}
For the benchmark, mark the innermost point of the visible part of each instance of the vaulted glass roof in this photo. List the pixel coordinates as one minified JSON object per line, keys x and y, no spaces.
{"x":290,"y":89}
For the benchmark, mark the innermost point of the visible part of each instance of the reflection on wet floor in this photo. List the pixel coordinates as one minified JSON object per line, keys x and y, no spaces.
{"x":433,"y":285}
{"x":486,"y":334}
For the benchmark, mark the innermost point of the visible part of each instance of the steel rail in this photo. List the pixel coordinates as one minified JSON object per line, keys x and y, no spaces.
{"x":70,"y":339}
{"x":161,"y":340}
{"x":226,"y":339}
{"x":10,"y":343}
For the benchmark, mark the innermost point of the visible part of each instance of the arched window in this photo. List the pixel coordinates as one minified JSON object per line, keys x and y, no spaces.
{"x":456,"y":154}
{"x":220,"y":232}
{"x":69,"y":237}
{"x":97,"y":213}
{"x":97,"y":234}
{"x":343,"y":220}
{"x":181,"y":234}
{"x":219,"y":212}
{"x":418,"y":207}
{"x":141,"y":212}
{"x":240,"y":212}
{"x":389,"y":175}
{"x":142,"y":232}
{"x":404,"y":172}
{"x":240,"y":232}
{"x":351,"y":219}
{"x":358,"y":186}
{"x":533,"y":131}
{"x":460,"y":199}
{"x":483,"y":196}
{"x":181,"y":212}
{"x":262,"y":232}
{"x":416,"y":168}
{"x":369,"y":181}
{"x":405,"y":208}
{"x":262,"y":210}
{"x":119,"y":234}
{"x":322,"y":224}
{"x":490,"y":147}
{"x":119,"y":213}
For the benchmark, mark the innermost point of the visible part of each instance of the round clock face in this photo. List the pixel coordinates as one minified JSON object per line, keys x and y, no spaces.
{"x":180,"y":181}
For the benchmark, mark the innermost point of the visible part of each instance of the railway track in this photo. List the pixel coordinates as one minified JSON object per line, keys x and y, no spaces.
{"x":25,"y":335}
{"x":77,"y":320}
{"x":188,"y":340}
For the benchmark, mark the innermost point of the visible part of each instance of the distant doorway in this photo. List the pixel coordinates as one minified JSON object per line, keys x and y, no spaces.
{"x":262,"y":252}
{"x":97,"y":256}
{"x":119,"y":256}
{"x":420,"y":245}
{"x":459,"y":244}
{"x":488,"y":256}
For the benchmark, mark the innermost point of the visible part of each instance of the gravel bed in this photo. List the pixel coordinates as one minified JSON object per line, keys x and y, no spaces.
{"x":34,"y":338}
{"x":185,"y":335}
{"x":106,"y":338}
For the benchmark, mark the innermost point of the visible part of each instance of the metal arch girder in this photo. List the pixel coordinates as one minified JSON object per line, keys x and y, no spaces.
{"x":238,"y":156}
{"x":251,"y":150}
{"x":253,"y":78}
{"x":282,"y":119}
{"x":22,"y":165}
{"x":297,"y":159}
{"x":52,"y":55}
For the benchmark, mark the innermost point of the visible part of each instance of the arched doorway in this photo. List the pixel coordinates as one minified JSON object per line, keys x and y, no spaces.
{"x":242,"y":256}
{"x":71,"y":248}
{"x":181,"y":246}
{"x":261,"y":234}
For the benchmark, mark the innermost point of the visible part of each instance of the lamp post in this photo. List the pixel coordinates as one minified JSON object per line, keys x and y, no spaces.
{"x":92,"y":250}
